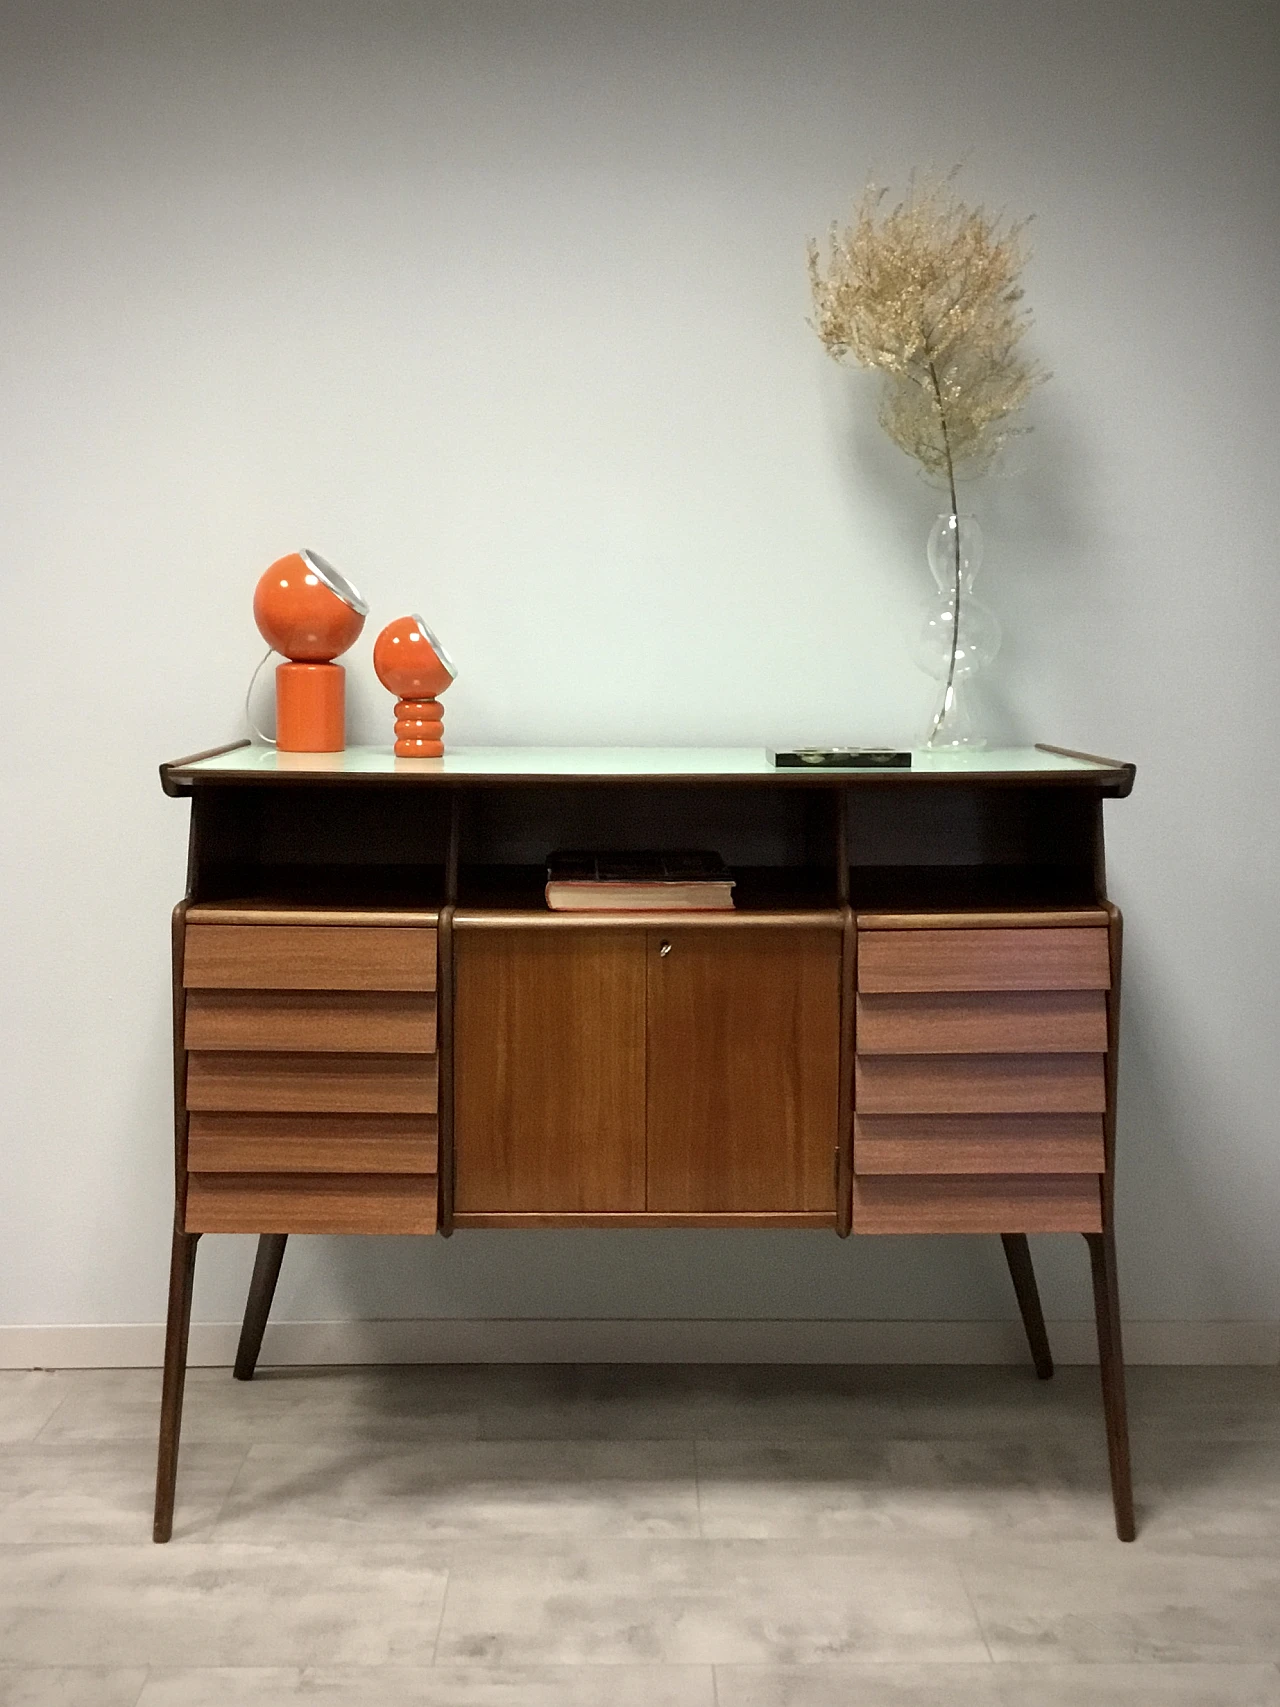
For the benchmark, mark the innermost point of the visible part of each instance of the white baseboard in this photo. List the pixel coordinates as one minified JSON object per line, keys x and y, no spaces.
{"x":141,"y":1345}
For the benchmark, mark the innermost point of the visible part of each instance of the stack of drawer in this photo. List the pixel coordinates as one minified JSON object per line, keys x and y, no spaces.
{"x":980,"y":1076}
{"x":310,"y":1072}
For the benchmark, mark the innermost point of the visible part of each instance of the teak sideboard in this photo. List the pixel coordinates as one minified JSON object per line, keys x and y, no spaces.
{"x":907,"y":1024}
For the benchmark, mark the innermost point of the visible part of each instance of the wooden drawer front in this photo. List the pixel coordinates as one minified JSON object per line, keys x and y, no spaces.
{"x":980,"y":1084}
{"x":1030,"y":959}
{"x":377,"y":1021}
{"x":310,"y":1203}
{"x":312,"y":1144}
{"x":309,"y":957}
{"x":1012,"y":1203}
{"x":966,"y":1022}
{"x":977,"y":1144}
{"x":247,"y":1083}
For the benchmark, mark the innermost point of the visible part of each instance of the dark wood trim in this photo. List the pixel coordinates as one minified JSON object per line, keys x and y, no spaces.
{"x":842,"y":847}
{"x":848,"y":1010}
{"x":453,"y":854}
{"x":182,"y":1267}
{"x":262,"y":1289}
{"x":178,"y":939}
{"x":1106,"y":1303}
{"x":659,"y":1218}
{"x":1126,"y":772}
{"x":1115,"y":779}
{"x":175,"y":789}
{"x":445,"y":989}
{"x":1030,"y":918}
{"x":193,"y":852}
{"x":277,"y":913}
{"x":1115,"y":943}
{"x":1114,"y":784}
{"x":1018,"y":1256}
{"x":497,"y":918}
{"x":1099,"y":855}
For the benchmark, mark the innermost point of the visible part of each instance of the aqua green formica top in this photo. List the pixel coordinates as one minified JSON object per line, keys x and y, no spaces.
{"x":656,"y":764}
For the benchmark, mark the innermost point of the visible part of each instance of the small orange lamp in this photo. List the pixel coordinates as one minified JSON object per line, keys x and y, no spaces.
{"x":412,"y":664}
{"x":311,"y":614}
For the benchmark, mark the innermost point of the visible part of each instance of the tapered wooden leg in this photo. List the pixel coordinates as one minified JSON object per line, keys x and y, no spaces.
{"x":262,"y":1289}
{"x":182,"y":1268}
{"x":1018,"y":1255}
{"x":1106,"y":1303}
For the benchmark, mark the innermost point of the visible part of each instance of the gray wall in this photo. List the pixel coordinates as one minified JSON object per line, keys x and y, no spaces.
{"x":502,"y":307}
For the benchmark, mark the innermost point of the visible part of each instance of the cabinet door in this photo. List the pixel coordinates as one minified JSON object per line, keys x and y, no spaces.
{"x":549,"y":1070}
{"x":743,"y":1069}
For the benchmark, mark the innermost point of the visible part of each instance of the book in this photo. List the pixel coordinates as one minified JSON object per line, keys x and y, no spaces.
{"x":685,"y":881}
{"x":841,"y":758}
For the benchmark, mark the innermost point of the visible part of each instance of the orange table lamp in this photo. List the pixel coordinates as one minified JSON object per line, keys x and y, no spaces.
{"x":309,"y":613}
{"x":412,"y":664}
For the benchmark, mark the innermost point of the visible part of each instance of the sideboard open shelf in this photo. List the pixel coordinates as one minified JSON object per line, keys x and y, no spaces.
{"x":907,"y":1024}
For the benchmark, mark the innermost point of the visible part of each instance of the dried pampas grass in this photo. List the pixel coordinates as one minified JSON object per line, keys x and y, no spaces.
{"x":928,"y":294}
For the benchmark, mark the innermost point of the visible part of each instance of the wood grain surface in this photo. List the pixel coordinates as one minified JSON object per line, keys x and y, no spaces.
{"x":549,"y":1079}
{"x":997,"y":959}
{"x":309,"y":957}
{"x":253,"y":1083}
{"x":311,"y":1203}
{"x":743,"y":1070}
{"x":1015,"y":1203}
{"x":961,"y":1022}
{"x":979,"y":1084}
{"x":383,"y":1022}
{"x":312,"y":1143}
{"x":977,"y":1144}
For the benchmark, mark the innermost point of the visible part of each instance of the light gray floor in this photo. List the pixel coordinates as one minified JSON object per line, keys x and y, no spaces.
{"x":641,"y":1537}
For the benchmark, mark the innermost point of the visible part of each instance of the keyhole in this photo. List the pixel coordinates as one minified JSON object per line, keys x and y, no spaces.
{"x":665,"y":950}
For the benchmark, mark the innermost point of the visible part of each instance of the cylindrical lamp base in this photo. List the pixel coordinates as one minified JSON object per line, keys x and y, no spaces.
{"x":419,"y":729}
{"x":311,"y":708}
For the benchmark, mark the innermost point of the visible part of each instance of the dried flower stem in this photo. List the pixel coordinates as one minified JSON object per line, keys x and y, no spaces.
{"x":949,"y":689}
{"x":928,"y":294}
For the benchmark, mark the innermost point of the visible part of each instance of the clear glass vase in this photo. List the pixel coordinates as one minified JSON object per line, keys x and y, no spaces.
{"x":960,"y":634}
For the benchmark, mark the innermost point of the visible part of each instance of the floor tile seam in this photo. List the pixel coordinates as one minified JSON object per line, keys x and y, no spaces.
{"x":477,"y":1552}
{"x":210,"y":1528}
{"x":1165,"y":1548}
{"x":981,"y":1668}
{"x":339,"y":1552}
{"x":444,"y":1602}
{"x":1057,"y":1435}
{"x":964,"y":1552}
{"x":981,"y":1628}
{"x":48,"y":1421}
{"x":138,"y":1445}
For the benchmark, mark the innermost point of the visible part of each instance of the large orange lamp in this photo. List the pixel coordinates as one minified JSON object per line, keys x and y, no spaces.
{"x":412,"y":664}
{"x":311,"y":614}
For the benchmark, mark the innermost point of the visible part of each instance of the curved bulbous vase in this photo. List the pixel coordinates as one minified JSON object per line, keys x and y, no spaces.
{"x":960,"y":634}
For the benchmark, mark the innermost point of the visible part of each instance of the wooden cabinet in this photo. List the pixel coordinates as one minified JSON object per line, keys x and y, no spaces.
{"x":907,"y":1024}
{"x":684,"y":1071}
